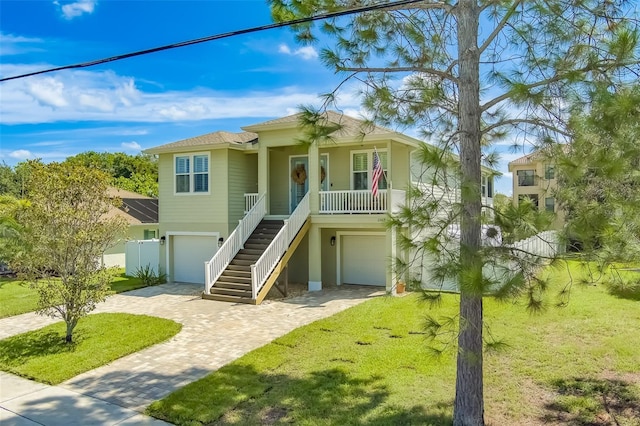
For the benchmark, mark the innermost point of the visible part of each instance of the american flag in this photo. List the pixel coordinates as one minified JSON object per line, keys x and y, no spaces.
{"x":377,"y":173}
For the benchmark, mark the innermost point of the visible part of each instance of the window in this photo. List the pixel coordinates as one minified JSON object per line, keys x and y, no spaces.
{"x":361,"y":164}
{"x":531,"y":197}
{"x":192,"y":173}
{"x":487,"y":186}
{"x":149,"y":234}
{"x":550,"y":204}
{"x":526,"y":177}
{"x":549,"y":172}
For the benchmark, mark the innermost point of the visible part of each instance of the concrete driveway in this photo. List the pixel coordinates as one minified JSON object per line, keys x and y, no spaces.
{"x":213,"y":334}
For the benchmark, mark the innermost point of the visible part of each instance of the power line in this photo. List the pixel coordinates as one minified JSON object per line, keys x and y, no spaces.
{"x":379,"y":6}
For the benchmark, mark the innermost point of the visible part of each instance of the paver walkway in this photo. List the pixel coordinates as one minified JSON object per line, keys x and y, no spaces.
{"x":213,"y":334}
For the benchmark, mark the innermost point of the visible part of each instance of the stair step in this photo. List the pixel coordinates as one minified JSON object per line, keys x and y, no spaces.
{"x":224,"y":283}
{"x":251,"y":251}
{"x":240,"y":268}
{"x":252,"y":257}
{"x":237,"y":261}
{"x":231,"y":292}
{"x":225,"y":298}
{"x":255,"y":246}
{"x":235,"y":276}
{"x":264,"y":241}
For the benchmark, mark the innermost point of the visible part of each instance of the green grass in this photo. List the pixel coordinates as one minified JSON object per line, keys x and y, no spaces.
{"x":43,"y":355}
{"x":372,"y":365}
{"x":17,"y":298}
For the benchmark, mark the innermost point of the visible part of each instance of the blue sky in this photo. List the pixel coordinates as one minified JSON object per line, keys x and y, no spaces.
{"x":154,"y":99}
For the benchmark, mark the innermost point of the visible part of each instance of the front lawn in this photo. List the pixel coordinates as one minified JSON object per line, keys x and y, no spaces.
{"x":43,"y":355}
{"x":16,"y":297}
{"x":371,"y":365}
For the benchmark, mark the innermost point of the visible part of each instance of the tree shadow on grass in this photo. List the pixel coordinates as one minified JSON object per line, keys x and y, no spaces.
{"x":17,"y":349}
{"x":239,"y":394}
{"x":588,"y":401}
{"x":625,"y":290}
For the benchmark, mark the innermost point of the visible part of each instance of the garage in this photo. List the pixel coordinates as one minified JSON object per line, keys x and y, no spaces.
{"x":189,"y":254}
{"x":364,"y":259}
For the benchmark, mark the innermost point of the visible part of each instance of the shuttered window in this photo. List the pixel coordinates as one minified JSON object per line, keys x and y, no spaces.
{"x":192,"y":173}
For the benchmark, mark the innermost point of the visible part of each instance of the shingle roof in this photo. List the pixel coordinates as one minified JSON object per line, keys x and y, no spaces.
{"x":209,"y":139}
{"x":527,"y":159}
{"x":349,"y":126}
{"x":136,"y":209}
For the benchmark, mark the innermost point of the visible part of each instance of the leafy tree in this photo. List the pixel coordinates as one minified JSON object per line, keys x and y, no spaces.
{"x":466,"y":74}
{"x":64,"y":231}
{"x":137,"y":173}
{"x":599,"y":177}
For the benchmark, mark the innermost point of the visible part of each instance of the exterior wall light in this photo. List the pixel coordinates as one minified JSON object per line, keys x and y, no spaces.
{"x":162,"y":240}
{"x":220,"y":241}
{"x":332,"y":241}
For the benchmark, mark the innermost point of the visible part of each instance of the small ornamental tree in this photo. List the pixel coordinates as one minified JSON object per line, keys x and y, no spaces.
{"x":64,"y":232}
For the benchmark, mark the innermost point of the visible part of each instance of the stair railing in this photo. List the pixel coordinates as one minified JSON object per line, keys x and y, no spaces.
{"x":261,"y":270}
{"x":234,"y":243}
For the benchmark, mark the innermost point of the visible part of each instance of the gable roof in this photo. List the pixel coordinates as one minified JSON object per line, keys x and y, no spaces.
{"x":527,"y":159}
{"x":136,"y":209}
{"x":349,"y":126}
{"x":207,"y":141}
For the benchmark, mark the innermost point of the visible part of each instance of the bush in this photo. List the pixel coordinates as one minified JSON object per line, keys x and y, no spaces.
{"x":149,"y":277}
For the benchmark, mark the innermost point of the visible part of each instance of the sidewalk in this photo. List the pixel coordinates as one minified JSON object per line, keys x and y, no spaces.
{"x":27,"y":403}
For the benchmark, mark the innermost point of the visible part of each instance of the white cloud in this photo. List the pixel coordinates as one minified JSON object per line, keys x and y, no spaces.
{"x":48,"y":92}
{"x":20,"y":154}
{"x":306,"y":52}
{"x":84,"y":96}
{"x":131,"y":146}
{"x":13,"y":45}
{"x":78,"y":8}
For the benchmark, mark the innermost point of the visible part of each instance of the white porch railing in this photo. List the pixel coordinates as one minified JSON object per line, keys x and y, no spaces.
{"x":360,"y":201}
{"x":261,"y":270}
{"x":250,"y":200}
{"x":235,"y":242}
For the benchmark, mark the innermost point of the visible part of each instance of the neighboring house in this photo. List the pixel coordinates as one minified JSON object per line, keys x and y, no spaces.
{"x":534,"y":177}
{"x":141,"y":213}
{"x":260,"y":206}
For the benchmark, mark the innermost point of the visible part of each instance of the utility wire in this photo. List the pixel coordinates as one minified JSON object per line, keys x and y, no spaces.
{"x":380,"y":6}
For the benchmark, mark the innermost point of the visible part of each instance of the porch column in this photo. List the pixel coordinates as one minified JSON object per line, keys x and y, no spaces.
{"x":314,"y":178}
{"x":315,"y":259}
{"x":392,"y":253}
{"x":263,"y":173}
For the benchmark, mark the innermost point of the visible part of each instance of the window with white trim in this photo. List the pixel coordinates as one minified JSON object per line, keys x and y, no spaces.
{"x":361,"y":169}
{"x":192,"y":174}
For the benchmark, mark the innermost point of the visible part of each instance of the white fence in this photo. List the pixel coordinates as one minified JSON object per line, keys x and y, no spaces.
{"x":140,"y":254}
{"x":544,"y":244}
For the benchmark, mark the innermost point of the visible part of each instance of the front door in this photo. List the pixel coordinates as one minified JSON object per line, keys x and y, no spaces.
{"x":299,"y":181}
{"x":299,"y":168}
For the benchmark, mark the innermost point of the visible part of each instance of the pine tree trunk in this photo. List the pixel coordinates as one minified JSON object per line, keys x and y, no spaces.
{"x":469,"y":401}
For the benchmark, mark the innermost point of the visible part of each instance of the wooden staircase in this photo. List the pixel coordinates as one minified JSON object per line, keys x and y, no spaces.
{"x":234,"y":284}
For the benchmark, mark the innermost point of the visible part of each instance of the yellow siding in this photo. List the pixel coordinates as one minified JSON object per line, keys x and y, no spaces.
{"x":243,"y":178}
{"x":210,"y":208}
{"x":399,"y":166}
{"x":339,"y":167}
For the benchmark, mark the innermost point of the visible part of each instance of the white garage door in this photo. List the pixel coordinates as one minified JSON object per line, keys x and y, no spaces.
{"x":189,"y":254}
{"x":364,"y":259}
